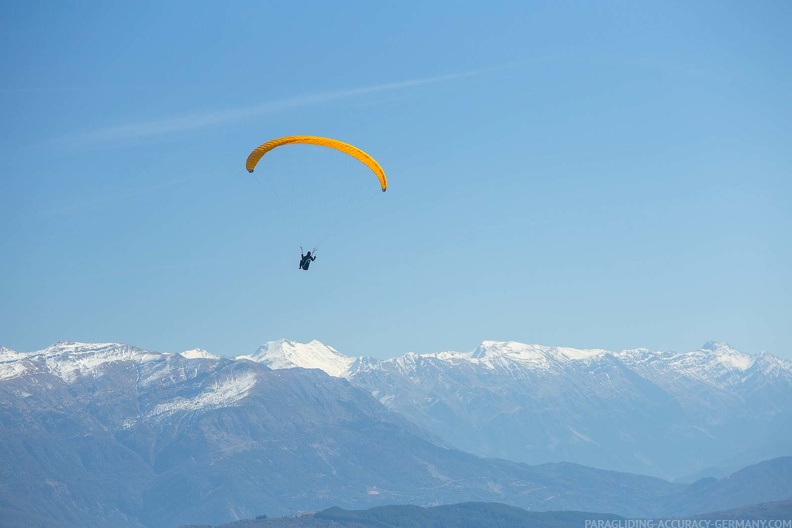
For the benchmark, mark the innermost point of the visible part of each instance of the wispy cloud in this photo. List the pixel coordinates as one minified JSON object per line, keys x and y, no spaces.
{"x":197,"y":120}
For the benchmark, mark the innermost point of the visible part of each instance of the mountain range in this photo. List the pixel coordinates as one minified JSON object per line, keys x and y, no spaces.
{"x":114,"y":435}
{"x":671,"y":415}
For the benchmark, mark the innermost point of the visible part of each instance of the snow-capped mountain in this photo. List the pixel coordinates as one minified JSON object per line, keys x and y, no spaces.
{"x":69,"y":360}
{"x":108,"y":434}
{"x":663,"y":413}
{"x":715,"y":364}
{"x":198,"y":353}
{"x":284,"y":354}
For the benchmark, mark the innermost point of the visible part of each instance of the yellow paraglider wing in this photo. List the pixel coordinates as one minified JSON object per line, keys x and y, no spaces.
{"x":353,"y":151}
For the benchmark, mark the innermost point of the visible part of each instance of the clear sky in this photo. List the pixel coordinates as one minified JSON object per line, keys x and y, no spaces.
{"x":587,"y":174}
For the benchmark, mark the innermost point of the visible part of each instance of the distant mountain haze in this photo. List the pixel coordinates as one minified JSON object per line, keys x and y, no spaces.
{"x":667,"y":414}
{"x":107,"y":434}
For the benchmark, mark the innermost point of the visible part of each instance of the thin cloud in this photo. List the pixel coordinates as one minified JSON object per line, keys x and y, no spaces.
{"x":186,"y":123}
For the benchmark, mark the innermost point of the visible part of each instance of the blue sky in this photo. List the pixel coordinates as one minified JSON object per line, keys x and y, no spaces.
{"x":588,"y":174}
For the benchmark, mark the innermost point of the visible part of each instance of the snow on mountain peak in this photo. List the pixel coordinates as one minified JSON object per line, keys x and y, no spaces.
{"x":10,"y":364}
{"x":770,"y":365}
{"x":536,"y":355}
{"x":714,"y":363}
{"x":497,"y":355}
{"x":729,"y":357}
{"x":6,"y":354}
{"x":198,"y":353}
{"x":284,"y":354}
{"x":69,"y":359}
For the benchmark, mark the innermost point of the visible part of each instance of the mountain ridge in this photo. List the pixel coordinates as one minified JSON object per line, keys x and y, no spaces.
{"x":713,"y":354}
{"x":535,"y":403}
{"x":494,"y":515}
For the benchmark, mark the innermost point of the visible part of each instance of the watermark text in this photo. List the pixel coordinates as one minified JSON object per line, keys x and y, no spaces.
{"x":688,"y":523}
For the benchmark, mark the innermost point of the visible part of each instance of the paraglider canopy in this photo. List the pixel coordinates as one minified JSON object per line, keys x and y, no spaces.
{"x":346,"y":148}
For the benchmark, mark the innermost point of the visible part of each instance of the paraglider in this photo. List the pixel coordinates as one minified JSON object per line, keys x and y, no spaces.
{"x":305,"y":260}
{"x":259,"y":152}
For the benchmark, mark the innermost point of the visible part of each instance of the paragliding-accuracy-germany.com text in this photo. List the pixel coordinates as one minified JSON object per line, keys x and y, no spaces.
{"x":688,"y":523}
